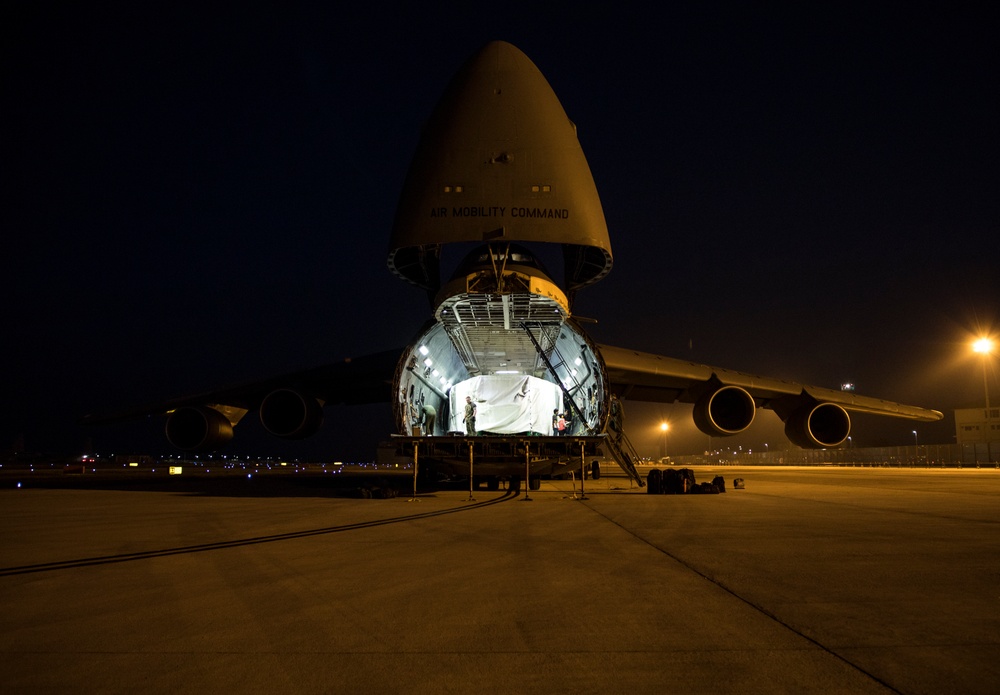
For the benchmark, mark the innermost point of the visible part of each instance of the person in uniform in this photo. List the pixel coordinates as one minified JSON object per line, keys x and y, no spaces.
{"x":429,"y":416}
{"x":470,"y":416}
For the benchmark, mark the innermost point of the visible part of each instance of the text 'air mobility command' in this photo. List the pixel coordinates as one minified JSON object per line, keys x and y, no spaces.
{"x":498,"y":211}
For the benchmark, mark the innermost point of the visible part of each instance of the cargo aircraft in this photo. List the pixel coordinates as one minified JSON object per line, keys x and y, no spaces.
{"x":500,"y":177}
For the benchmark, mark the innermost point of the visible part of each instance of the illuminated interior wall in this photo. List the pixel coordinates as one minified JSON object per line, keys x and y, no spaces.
{"x":431,"y":372}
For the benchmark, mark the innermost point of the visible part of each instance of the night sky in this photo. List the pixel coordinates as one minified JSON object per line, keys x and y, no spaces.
{"x":194,"y":198}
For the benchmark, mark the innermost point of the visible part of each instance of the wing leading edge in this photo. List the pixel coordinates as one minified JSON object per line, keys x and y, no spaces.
{"x":725,"y":400}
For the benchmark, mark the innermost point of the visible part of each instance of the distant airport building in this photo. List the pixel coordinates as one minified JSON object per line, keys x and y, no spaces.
{"x":978,"y":427}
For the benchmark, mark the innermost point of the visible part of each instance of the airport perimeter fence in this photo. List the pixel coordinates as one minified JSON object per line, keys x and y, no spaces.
{"x":916,"y":456}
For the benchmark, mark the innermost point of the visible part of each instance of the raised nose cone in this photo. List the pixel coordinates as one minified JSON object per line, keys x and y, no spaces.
{"x":499,"y":161}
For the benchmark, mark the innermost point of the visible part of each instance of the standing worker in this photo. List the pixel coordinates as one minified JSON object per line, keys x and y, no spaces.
{"x":470,"y":416}
{"x":430,"y":415}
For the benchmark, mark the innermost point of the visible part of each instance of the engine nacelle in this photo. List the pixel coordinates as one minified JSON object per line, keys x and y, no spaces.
{"x":726,"y":410}
{"x":288,"y":414}
{"x":198,"y":429}
{"x":818,"y":426}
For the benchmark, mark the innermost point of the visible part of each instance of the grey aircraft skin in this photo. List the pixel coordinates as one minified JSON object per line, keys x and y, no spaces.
{"x":499,"y":177}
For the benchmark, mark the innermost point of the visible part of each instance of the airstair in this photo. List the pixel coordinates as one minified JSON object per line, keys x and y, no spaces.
{"x":619,"y":445}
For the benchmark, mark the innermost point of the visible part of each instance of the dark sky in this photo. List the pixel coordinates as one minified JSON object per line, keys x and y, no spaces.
{"x":197,"y":198}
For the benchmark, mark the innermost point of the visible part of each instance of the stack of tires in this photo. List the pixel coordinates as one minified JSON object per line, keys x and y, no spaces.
{"x":680,"y":481}
{"x":653,"y":480}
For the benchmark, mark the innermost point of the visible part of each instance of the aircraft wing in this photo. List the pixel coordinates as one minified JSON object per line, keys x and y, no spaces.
{"x":354,"y":381}
{"x":725,"y":400}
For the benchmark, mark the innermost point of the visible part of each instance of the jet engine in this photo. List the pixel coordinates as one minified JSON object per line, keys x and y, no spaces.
{"x":198,"y":429}
{"x":818,"y":426}
{"x":288,"y":414}
{"x":724,"y":411}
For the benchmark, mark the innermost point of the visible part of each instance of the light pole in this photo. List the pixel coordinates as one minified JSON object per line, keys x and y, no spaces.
{"x":984,"y":346}
{"x":664,"y":426}
{"x":915,"y":443}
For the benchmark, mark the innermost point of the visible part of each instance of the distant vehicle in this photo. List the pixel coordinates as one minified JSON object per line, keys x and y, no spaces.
{"x":499,"y":179}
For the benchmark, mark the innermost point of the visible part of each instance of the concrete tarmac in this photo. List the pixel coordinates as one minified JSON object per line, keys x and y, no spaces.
{"x":813,"y":580}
